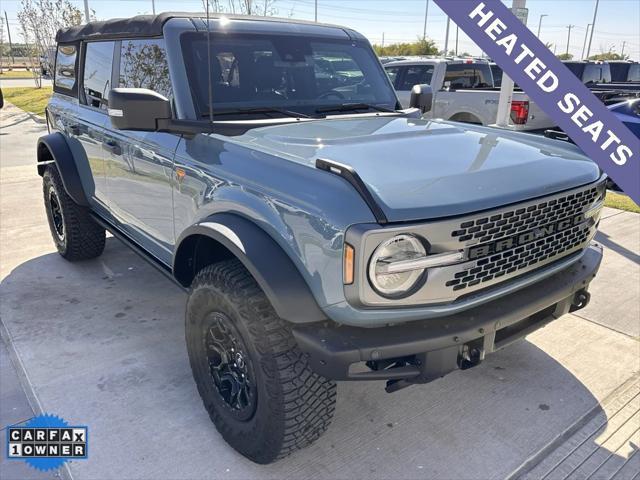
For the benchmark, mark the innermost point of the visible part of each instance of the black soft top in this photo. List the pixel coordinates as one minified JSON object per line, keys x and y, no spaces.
{"x":151,"y":26}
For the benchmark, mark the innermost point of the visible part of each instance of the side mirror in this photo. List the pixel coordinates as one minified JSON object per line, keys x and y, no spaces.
{"x":137,"y":109}
{"x":421,"y":97}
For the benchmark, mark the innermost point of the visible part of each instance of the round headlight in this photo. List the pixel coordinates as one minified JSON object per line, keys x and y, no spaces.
{"x":395,"y":285}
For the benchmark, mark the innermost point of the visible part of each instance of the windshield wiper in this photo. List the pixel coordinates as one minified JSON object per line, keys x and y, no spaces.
{"x":266,"y":110}
{"x":347,"y":107}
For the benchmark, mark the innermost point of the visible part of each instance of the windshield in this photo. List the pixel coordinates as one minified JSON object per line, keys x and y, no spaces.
{"x":299,"y":75}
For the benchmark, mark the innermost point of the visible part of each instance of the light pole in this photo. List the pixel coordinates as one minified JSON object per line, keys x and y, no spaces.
{"x":569,"y":37}
{"x":86,"y":11}
{"x":457,"y":31}
{"x":446,"y":40}
{"x":316,"y":17}
{"x":584,"y":45}
{"x":153,"y":6}
{"x":426,"y":13}
{"x":593,"y":27}
{"x":540,"y":23}
{"x":622,"y":51}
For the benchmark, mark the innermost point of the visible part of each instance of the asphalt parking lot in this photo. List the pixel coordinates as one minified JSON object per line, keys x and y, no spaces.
{"x":101,"y":343}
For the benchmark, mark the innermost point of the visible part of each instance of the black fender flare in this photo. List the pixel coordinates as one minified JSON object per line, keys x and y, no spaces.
{"x":54,"y":148}
{"x":273,"y":270}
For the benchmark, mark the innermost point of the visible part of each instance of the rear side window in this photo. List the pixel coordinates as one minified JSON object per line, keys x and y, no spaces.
{"x":469,"y":75}
{"x":597,"y":73}
{"x":416,"y":75}
{"x":393,"y":74}
{"x":65,"y":73}
{"x":143,"y":64}
{"x":96,"y":81}
{"x":634,"y":73}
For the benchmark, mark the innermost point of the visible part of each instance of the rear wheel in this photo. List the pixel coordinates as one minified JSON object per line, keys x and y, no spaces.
{"x":255,"y":383}
{"x":76,"y":235}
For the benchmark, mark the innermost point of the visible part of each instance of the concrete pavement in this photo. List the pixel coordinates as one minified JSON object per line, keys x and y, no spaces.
{"x":101,"y":343}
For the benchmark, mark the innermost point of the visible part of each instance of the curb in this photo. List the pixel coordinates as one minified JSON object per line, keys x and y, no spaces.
{"x":63,"y":472}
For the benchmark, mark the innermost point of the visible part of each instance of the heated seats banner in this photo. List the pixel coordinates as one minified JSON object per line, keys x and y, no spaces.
{"x":550,"y":84}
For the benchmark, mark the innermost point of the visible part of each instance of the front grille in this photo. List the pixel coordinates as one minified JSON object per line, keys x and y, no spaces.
{"x":519,"y":220}
{"x":496,"y":266}
{"x":519,"y":223}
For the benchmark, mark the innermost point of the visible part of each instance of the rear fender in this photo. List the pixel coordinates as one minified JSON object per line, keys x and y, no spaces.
{"x":53,"y":148}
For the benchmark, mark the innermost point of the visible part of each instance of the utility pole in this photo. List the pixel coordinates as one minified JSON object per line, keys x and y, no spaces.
{"x":584,"y":45}
{"x":87,"y":18}
{"x":382,"y":39}
{"x":153,"y":6}
{"x":622,"y":51}
{"x":569,"y":36}
{"x":266,"y":2}
{"x":316,"y":11}
{"x":593,"y":27}
{"x":13,"y":61}
{"x":426,"y":14}
{"x":540,"y":23}
{"x":446,"y":39}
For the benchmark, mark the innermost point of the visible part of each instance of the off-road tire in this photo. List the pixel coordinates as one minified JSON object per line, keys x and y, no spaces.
{"x":294,"y":405}
{"x":82,"y":238}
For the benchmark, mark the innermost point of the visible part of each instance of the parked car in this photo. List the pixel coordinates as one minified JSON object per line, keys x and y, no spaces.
{"x":321,"y":234}
{"x":627,"y":111}
{"x":598,"y":75}
{"x":624,"y":71}
{"x":464,"y":91}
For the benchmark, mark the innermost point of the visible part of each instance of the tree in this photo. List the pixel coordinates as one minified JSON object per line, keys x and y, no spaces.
{"x":242,"y":7}
{"x":565,"y":56}
{"x":609,"y":56}
{"x":40,"y":20}
{"x":419,"y":47}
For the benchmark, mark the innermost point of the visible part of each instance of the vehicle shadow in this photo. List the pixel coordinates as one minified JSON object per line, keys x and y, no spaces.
{"x":102,"y":343}
{"x":605,"y":240}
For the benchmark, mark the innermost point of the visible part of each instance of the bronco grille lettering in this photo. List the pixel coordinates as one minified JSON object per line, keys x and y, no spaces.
{"x":524,"y":238}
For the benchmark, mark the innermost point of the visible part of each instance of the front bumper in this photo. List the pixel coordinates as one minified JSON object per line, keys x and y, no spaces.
{"x":421,"y":351}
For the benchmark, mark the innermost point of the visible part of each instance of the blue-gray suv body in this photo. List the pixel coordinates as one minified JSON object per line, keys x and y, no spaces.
{"x":321,"y":232}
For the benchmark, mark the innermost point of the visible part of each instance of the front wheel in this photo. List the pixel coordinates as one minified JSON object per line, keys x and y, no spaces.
{"x":255,"y":383}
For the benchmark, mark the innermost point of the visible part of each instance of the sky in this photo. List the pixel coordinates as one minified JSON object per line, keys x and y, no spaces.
{"x":618,"y":21}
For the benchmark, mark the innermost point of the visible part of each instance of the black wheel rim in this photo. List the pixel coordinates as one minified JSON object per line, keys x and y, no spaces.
{"x":56,"y":215}
{"x":230,"y":367}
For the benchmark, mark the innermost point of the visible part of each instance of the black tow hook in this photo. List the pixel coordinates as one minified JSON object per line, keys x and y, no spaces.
{"x":580,"y":300}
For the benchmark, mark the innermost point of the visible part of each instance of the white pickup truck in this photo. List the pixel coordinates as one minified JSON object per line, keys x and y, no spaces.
{"x":463,"y":91}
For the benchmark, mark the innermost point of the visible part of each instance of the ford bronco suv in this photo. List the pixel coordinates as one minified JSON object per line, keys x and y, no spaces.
{"x":322,"y":233}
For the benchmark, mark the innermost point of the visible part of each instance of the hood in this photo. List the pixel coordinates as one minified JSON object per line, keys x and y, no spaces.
{"x":421,"y":169}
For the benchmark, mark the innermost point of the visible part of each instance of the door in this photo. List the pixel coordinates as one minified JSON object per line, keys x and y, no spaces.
{"x":89,"y":126}
{"x":139,"y":165}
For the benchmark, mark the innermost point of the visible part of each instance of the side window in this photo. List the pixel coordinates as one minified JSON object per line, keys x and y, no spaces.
{"x":465,"y":75}
{"x":597,"y":73}
{"x":143,"y":64}
{"x":65,"y":74}
{"x":96,"y":81}
{"x":393,"y":73}
{"x":634,"y":73}
{"x":416,"y":75}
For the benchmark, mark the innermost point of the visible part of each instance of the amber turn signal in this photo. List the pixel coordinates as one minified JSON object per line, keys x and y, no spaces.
{"x":348,"y":264}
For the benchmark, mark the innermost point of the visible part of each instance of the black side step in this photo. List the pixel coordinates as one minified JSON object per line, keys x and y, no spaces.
{"x":351,"y":176}
{"x":141,"y":252}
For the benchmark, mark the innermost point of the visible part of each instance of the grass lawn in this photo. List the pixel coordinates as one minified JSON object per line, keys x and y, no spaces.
{"x":30,"y":99}
{"x":16,"y":74}
{"x":621,"y":202}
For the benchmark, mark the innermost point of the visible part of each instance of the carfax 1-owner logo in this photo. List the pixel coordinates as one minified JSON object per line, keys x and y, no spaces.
{"x":46,"y":442}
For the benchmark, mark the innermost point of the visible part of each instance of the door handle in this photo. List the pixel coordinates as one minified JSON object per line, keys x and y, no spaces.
{"x":74,"y":129}
{"x":112,"y":147}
